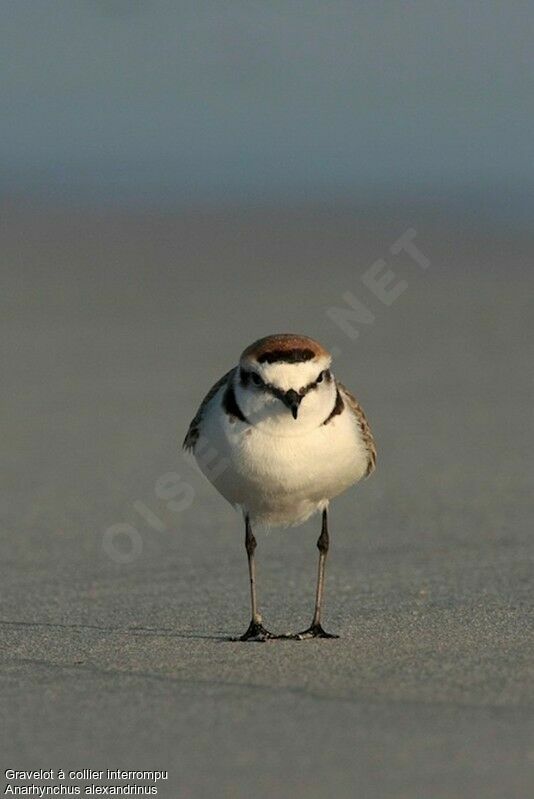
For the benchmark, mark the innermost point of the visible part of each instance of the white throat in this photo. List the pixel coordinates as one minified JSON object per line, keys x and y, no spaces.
{"x":269,"y":414}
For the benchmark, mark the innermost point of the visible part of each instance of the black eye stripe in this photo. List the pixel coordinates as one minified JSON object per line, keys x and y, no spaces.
{"x":319,"y":379}
{"x":245,"y":378}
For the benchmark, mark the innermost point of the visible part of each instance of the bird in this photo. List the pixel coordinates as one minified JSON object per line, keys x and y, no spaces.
{"x":279,"y":437}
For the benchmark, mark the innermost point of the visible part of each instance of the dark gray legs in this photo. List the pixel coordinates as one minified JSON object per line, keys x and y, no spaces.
{"x":315,"y":629}
{"x":256,"y":631}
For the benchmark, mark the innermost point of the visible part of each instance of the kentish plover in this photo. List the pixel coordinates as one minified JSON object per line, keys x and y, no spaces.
{"x":289,"y":437}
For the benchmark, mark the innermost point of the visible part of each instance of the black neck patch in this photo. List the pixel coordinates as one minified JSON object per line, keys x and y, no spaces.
{"x":337,"y":409}
{"x":296,"y":355}
{"x":230,"y":405}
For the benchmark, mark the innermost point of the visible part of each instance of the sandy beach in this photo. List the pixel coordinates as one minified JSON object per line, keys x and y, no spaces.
{"x":124,"y":573}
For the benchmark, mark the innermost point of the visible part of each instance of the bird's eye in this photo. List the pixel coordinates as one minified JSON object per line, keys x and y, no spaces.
{"x":256,"y":379}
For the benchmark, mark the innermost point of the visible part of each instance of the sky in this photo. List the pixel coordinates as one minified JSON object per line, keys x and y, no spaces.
{"x":266,"y":100}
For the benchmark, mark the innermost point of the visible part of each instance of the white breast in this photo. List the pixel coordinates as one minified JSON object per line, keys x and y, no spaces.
{"x":280,"y":480}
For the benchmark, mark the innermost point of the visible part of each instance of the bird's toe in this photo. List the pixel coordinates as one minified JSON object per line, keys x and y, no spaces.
{"x":314,"y":631}
{"x":256,"y":632}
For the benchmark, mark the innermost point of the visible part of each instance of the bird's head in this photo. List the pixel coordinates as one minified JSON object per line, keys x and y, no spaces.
{"x":284,"y":383}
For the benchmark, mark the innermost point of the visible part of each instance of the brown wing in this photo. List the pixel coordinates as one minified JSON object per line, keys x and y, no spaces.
{"x":368,"y":439}
{"x":194,"y":428}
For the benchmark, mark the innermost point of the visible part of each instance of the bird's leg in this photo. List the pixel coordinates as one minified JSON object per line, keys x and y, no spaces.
{"x":315,"y":630}
{"x":256,"y":631}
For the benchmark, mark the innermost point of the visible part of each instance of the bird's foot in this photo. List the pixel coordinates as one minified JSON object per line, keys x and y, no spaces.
{"x":314,"y":631}
{"x":256,"y":632}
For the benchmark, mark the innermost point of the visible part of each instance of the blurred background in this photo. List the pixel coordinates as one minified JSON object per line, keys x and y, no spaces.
{"x":179,"y":103}
{"x":176,"y":180}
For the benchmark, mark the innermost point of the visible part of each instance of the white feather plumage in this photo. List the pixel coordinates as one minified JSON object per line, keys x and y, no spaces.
{"x":277,"y":469}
